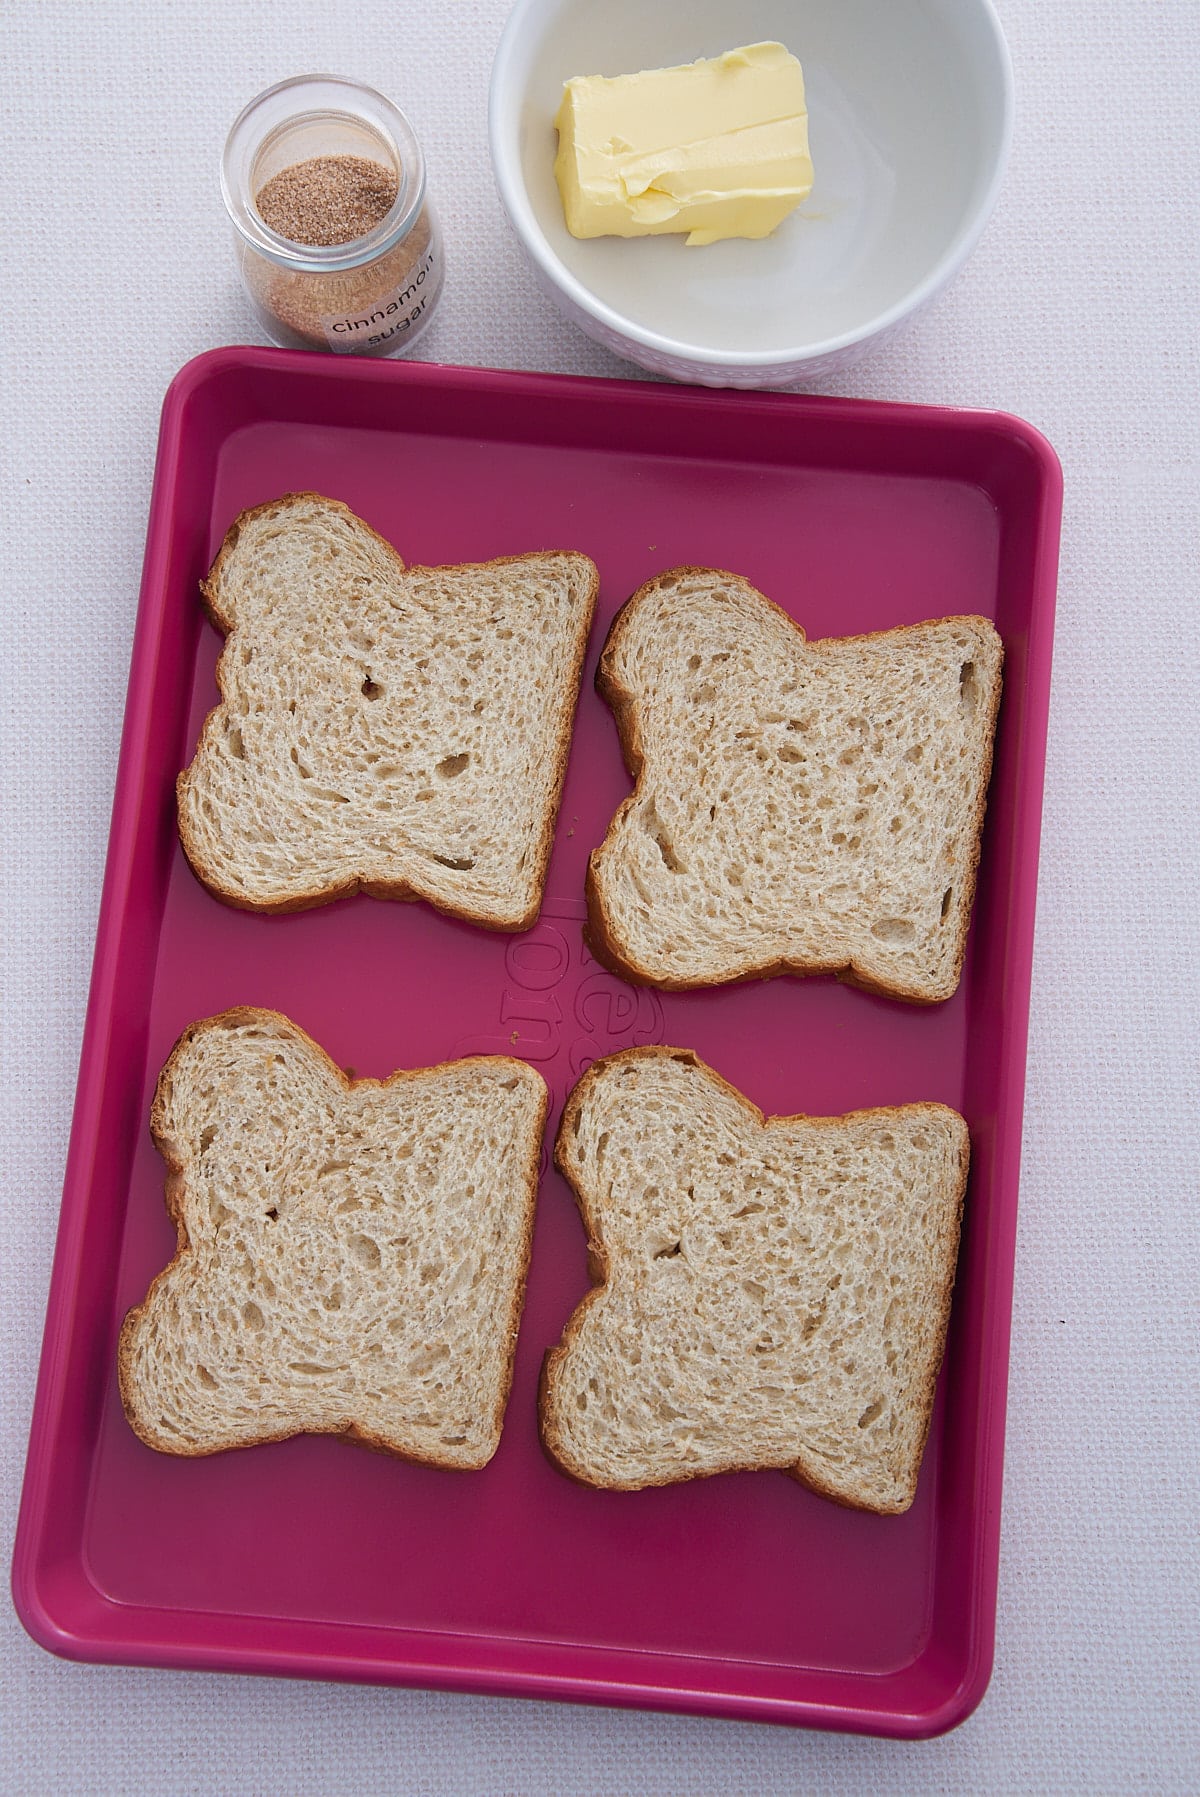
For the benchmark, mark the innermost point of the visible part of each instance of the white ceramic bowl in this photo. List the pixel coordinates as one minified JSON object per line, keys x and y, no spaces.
{"x":910,"y":115}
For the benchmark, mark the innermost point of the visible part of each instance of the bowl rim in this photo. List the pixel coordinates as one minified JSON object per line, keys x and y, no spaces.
{"x":506,"y":168}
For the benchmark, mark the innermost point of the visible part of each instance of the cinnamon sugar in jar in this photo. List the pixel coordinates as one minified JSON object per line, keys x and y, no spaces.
{"x":338,"y":249}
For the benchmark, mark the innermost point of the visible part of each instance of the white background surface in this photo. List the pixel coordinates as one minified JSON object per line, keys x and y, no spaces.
{"x":1079,"y":312}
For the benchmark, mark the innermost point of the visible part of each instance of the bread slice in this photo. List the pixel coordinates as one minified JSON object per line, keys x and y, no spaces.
{"x":352,"y":1253}
{"x":799,"y":807}
{"x":399,"y":731}
{"x":773,"y":1292}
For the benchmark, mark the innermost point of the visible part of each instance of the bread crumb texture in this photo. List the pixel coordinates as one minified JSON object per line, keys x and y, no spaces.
{"x":800,"y":807}
{"x":352,"y":1255}
{"x":774,"y":1292}
{"x":401,"y":731}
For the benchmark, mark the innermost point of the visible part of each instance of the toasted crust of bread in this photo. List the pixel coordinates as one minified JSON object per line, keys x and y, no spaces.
{"x":385,"y":682}
{"x":823,"y":898}
{"x":809,"y":1341}
{"x":354,"y":1265}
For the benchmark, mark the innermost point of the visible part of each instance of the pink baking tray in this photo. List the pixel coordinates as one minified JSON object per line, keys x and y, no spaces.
{"x":740,"y":1596}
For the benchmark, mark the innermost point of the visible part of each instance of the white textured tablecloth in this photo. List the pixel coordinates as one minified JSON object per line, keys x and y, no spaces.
{"x":1079,"y":312}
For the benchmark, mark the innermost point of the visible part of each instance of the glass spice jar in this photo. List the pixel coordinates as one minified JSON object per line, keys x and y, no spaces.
{"x":337,"y":246}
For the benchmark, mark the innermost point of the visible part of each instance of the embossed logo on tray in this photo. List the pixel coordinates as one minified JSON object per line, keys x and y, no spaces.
{"x":558,"y":1004}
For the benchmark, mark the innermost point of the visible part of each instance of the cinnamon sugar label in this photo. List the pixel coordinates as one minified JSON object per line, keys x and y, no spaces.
{"x":394,"y":317}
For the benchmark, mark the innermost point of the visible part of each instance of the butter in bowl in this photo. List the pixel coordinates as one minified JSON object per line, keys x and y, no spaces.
{"x":655,"y":164}
{"x":711,"y":149}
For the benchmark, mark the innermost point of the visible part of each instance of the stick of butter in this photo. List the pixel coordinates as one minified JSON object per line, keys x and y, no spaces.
{"x":715,"y":148}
